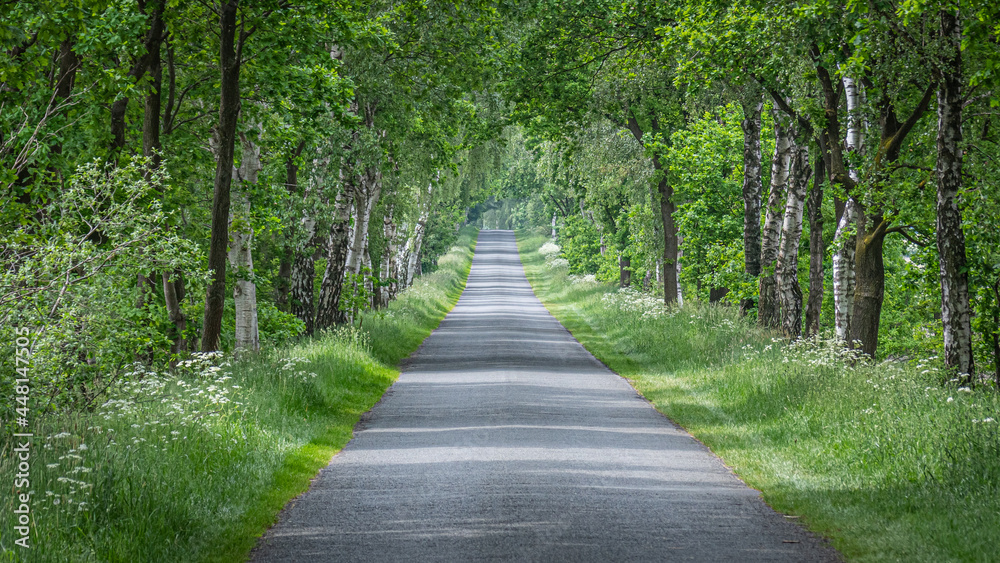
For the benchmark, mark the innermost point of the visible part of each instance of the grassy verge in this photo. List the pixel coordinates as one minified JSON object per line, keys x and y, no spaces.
{"x":195,"y":465}
{"x":889,"y":460}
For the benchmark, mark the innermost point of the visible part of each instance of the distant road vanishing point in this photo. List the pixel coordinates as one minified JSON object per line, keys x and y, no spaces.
{"x":505,"y":440}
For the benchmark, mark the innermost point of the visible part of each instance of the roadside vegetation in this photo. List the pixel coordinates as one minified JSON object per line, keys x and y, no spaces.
{"x":892,"y":460}
{"x":194,"y":463}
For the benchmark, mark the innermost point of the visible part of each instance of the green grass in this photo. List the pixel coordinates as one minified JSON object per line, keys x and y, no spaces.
{"x":889,"y":460}
{"x":194,"y":466}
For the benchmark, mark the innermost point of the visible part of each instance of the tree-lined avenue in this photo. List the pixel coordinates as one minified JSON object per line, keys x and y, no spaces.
{"x":505,"y":439}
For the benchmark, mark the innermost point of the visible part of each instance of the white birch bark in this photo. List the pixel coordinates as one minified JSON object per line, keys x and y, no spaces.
{"x":328,"y":313}
{"x":240,"y":249}
{"x":418,"y":235}
{"x":388,"y":257}
{"x":402,"y":259}
{"x":680,"y":255}
{"x":366,"y":196}
{"x":301,"y":279}
{"x":845,"y":237}
{"x":955,"y":310}
{"x":769,"y":305}
{"x":787,"y":267}
{"x":845,"y":245}
{"x":353,"y":218}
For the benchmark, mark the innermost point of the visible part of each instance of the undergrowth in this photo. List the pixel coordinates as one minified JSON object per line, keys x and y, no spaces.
{"x":892,"y":461}
{"x":194,"y":464}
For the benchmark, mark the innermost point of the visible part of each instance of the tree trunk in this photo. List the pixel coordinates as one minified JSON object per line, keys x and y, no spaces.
{"x":173,"y":285}
{"x":418,"y":235}
{"x":769,"y":306}
{"x":282,"y":285}
{"x":680,"y":264}
{"x":415,"y":242}
{"x":386,"y":268}
{"x":146,"y":62}
{"x":366,"y":195}
{"x":873,"y":225}
{"x":301,"y":290}
{"x":752,"y":188}
{"x":845,"y":240}
{"x":853,"y":139}
{"x":328,"y":312}
{"x":671,"y":264}
{"x":667,"y":208}
{"x":229,"y":107}
{"x":787,"y":269}
{"x":955,"y":311}
{"x":402,"y":258}
{"x":869,"y":292}
{"x":240,"y":252}
{"x":151,"y":145}
{"x":817,"y":250}
{"x":173,"y":294}
{"x":301,"y":285}
{"x":624,"y":271}
{"x":245,"y":290}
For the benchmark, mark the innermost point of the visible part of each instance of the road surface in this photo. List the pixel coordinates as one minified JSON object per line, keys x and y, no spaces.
{"x":505,"y":440}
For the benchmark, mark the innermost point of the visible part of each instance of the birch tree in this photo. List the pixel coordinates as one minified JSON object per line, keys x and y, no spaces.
{"x":955,"y":310}
{"x":752,"y":188}
{"x":769,"y":305}
{"x":787,"y":266}
{"x":241,"y":249}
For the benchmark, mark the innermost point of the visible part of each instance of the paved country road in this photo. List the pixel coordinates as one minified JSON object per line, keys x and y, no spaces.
{"x":505,"y":440}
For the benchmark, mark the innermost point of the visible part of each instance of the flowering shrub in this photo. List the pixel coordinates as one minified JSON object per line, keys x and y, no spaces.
{"x":553,"y":261}
{"x":549,"y":249}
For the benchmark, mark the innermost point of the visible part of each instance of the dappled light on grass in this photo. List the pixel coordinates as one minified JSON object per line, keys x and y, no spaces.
{"x":892,"y":460}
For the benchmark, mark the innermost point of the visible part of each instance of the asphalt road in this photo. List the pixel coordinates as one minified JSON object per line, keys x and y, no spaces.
{"x":505,"y":440}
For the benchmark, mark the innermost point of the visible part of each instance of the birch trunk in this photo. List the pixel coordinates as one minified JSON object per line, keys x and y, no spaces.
{"x":366,"y":266}
{"x":366,"y":196}
{"x":301,"y":281}
{"x":955,"y":312}
{"x":328,"y":313}
{"x":245,"y":291}
{"x":387,"y":266}
{"x":417,"y":241}
{"x":787,"y":268}
{"x":402,"y":258}
{"x":240,"y":252}
{"x":845,"y":246}
{"x":680,"y":263}
{"x":817,"y":250}
{"x":752,"y":188}
{"x":845,"y":239}
{"x":769,"y":306}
